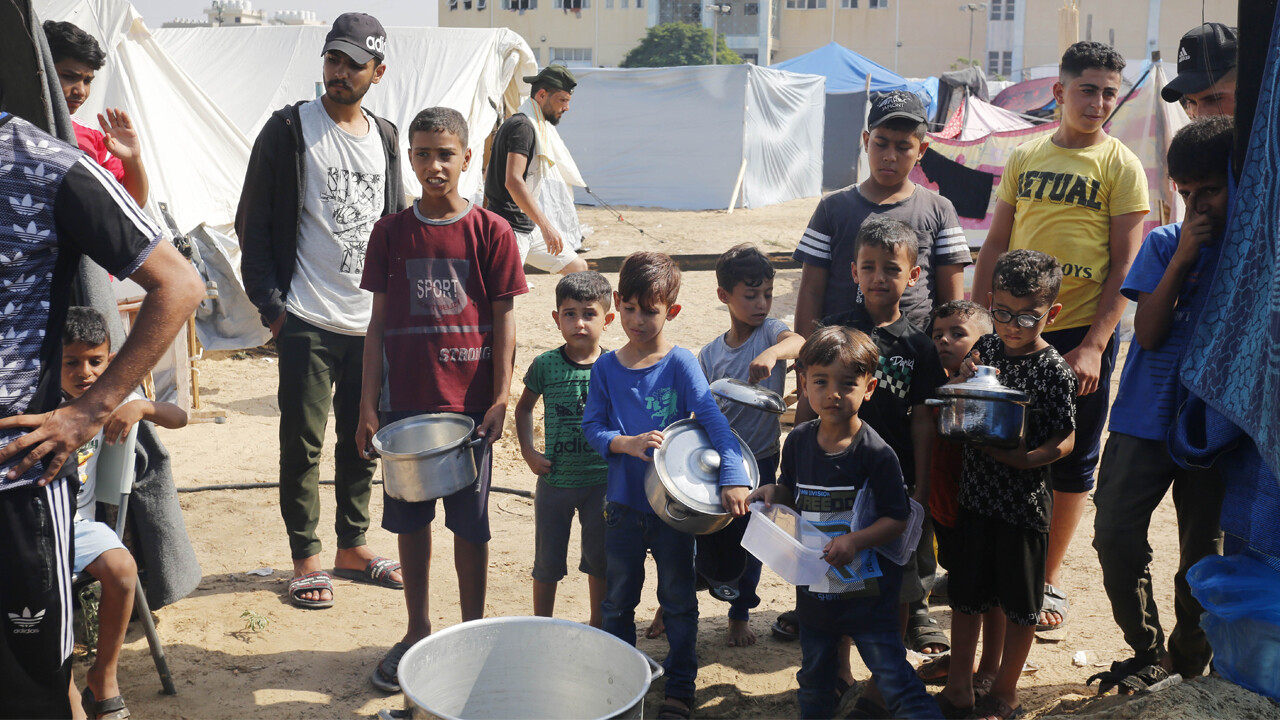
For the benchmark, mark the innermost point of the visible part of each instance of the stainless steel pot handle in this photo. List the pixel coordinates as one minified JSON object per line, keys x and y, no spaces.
{"x":655,"y":669}
{"x":934,"y":402}
{"x":667,"y":509}
{"x":474,"y":442}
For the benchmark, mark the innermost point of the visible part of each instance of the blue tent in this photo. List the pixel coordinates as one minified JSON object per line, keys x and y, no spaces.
{"x":846,"y":71}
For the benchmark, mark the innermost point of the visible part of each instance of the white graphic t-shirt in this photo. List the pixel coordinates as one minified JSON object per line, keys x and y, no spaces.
{"x":344,"y":192}
{"x":87,"y":471}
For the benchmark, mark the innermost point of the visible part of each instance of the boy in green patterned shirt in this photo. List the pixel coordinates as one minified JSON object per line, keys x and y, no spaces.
{"x":571,"y":475}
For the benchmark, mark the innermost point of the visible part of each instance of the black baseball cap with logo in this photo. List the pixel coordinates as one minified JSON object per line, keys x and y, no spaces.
{"x":1205,"y":54}
{"x":359,"y":36}
{"x":893,"y":105}
{"x":557,"y":76}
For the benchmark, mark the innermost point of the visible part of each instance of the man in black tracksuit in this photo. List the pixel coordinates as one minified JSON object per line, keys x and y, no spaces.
{"x":321,"y":174}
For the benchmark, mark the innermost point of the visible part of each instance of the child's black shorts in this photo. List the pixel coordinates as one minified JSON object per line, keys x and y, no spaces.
{"x":998,"y":564}
{"x":948,"y":539}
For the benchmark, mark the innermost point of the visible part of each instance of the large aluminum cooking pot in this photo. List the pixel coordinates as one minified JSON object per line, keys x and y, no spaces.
{"x":981,"y":411}
{"x":525,"y":667}
{"x":683,"y":483}
{"x":427,"y":456}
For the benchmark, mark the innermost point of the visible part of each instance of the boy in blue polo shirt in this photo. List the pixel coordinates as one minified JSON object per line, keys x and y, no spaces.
{"x":1137,"y":469}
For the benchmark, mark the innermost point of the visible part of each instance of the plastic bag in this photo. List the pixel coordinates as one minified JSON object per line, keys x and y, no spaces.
{"x":1241,"y":619}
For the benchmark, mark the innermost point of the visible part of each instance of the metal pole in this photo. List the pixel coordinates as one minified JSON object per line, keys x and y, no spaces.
{"x":715,"y":33}
{"x":970,"y":56}
{"x":897,"y":38}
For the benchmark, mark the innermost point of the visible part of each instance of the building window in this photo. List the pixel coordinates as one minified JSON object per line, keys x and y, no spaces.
{"x":639,"y":4}
{"x":608,"y":4}
{"x":880,"y":4}
{"x":573,"y":4}
{"x":519,"y":4}
{"x":751,"y":9}
{"x":1008,"y":9}
{"x":848,"y":4}
{"x":571,"y":57}
{"x":1000,"y":63}
{"x":622,"y":4}
{"x":1002,"y":9}
{"x":480,"y":4}
{"x":537,"y":56}
{"x":806,"y":4}
{"x":453,"y":4}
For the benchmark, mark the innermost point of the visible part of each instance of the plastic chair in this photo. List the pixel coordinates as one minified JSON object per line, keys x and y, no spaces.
{"x":115,"y":476}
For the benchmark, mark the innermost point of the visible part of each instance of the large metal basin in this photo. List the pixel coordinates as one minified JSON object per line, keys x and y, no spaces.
{"x":525,"y":667}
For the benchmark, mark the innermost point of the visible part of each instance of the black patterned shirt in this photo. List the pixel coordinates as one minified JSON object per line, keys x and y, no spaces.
{"x":991,"y":488}
{"x":909,"y":372}
{"x":56,"y":204}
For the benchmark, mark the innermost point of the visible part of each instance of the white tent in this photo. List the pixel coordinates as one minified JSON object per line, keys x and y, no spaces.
{"x":696,"y":138}
{"x":251,"y":72}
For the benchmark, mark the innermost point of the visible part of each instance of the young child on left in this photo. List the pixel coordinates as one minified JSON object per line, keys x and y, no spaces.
{"x":636,"y":392}
{"x":444,"y":274}
{"x":86,"y":353}
{"x":571,"y":476}
{"x":826,"y":464}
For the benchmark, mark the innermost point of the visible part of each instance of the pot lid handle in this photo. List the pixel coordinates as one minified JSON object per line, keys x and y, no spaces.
{"x":709,"y":460}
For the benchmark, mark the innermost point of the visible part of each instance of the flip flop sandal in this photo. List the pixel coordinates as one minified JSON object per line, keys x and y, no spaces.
{"x":318,"y":580}
{"x":112,"y":708}
{"x":376,"y":572}
{"x":385,"y":674}
{"x":934,"y":671}
{"x":1054,"y":601}
{"x":1128,"y":677}
{"x":868,"y":709}
{"x":671,"y":711}
{"x":922,"y":631}
{"x":780,"y":627}
{"x":951,"y":711}
{"x":989,"y":706}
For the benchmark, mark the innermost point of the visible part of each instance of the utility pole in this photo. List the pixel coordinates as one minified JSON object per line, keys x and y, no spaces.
{"x":972,"y":8}
{"x":716,"y":11}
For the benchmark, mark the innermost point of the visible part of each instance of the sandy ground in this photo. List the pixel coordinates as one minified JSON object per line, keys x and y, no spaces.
{"x":316,"y":663}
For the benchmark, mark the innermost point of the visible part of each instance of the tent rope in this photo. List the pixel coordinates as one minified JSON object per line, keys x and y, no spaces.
{"x":617,"y":214}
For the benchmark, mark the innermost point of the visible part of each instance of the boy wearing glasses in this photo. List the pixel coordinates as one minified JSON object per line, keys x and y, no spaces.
{"x":1005,"y":503}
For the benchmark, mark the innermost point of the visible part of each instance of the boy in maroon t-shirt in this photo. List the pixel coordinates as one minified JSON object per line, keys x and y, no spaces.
{"x":443,"y":274}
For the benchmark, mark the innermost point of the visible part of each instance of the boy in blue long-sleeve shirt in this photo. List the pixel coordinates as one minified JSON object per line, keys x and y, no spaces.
{"x":635,"y":392}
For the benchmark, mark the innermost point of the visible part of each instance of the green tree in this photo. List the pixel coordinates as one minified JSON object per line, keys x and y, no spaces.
{"x":675,"y":44}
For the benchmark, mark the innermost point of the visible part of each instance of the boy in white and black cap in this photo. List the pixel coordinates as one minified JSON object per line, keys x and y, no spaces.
{"x":1206,"y":81}
{"x":321,"y":173}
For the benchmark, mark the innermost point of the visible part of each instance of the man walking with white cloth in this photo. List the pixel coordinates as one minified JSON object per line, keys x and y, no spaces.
{"x":526,"y":150}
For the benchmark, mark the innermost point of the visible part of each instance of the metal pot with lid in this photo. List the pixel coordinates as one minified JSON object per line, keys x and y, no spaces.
{"x":982,"y":411}
{"x":683,"y":484}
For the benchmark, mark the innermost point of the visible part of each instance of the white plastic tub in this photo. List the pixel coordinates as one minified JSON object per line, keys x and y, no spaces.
{"x":787,"y":543}
{"x":898,"y":550}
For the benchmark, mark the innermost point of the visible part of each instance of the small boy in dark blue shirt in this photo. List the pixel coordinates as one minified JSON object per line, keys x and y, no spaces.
{"x":636,"y":392}
{"x":826,"y":464}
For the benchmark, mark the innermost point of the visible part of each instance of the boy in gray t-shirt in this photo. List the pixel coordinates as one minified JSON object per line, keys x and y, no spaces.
{"x":755,"y":349}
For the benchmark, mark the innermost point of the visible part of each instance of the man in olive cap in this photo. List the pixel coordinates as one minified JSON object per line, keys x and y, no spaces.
{"x":1206,"y":81}
{"x":322,"y":172}
{"x":525,"y":149}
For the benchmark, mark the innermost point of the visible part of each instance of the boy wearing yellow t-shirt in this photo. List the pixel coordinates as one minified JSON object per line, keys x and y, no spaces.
{"x":1079,"y":195}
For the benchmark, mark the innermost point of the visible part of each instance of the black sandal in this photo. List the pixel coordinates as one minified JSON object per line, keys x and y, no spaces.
{"x":112,"y":708}
{"x":671,"y":711}
{"x":1128,"y":677}
{"x":787,"y":626}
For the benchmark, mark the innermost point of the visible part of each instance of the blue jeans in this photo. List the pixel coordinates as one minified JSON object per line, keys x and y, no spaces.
{"x":628,"y":534}
{"x":884,"y":656}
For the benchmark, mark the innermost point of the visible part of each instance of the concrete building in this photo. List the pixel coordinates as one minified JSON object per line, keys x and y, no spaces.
{"x":239,"y":13}
{"x":915,"y":38}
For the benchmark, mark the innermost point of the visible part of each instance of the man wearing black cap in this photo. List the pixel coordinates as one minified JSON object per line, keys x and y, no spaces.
{"x":1206,"y":81}
{"x":520,"y":159}
{"x":321,"y":174}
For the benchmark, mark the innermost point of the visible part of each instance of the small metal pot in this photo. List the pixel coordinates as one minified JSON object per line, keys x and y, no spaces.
{"x":683,"y":483}
{"x":427,"y":456}
{"x":981,"y":411}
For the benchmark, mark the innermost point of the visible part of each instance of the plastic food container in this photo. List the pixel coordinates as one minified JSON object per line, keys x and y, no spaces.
{"x":787,"y":543}
{"x":897,"y":551}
